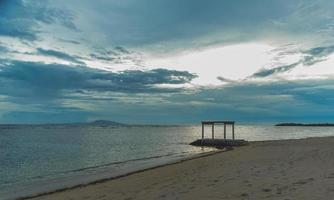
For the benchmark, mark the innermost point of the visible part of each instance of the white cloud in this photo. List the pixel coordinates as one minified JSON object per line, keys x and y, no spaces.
{"x":232,"y":62}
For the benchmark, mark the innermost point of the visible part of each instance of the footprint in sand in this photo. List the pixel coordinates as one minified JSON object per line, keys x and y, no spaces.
{"x":331,"y":176}
{"x":303,"y":181}
{"x":330,"y":190}
{"x":244,"y":195}
{"x":283,"y":188}
{"x":191,"y":187}
{"x":266,"y":190}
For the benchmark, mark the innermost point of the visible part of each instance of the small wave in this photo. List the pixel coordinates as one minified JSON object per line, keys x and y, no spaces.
{"x":54,"y":175}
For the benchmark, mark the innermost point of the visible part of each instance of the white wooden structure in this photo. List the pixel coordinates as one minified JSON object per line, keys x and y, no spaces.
{"x":213,"y":123}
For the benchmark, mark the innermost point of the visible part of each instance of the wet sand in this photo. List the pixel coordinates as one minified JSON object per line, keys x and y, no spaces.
{"x":289,"y":169}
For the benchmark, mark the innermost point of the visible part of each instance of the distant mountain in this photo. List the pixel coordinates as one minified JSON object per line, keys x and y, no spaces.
{"x":106,"y":123}
{"x":301,"y":124}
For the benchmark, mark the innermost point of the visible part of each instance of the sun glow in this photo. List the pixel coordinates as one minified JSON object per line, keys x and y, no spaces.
{"x":233,"y":62}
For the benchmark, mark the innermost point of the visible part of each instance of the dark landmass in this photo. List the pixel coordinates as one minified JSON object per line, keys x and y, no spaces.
{"x":301,"y":124}
{"x":107,"y":123}
{"x":94,"y":123}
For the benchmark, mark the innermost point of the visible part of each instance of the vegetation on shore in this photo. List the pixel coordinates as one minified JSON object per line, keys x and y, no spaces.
{"x":302,"y":124}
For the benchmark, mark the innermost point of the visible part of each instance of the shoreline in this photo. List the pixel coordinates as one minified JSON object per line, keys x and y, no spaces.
{"x":289,"y":163}
{"x":102,"y":180}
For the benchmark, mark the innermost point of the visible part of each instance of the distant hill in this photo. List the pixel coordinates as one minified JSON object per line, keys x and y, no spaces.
{"x":107,"y":123}
{"x":301,"y":124}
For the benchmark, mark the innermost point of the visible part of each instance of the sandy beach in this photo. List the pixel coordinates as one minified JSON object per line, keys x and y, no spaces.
{"x":290,"y":169}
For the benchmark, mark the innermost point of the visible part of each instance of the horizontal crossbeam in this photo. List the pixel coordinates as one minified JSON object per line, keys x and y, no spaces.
{"x":218,"y":122}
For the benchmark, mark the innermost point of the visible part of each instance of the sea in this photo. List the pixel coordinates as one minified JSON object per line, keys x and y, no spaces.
{"x":36,"y":159}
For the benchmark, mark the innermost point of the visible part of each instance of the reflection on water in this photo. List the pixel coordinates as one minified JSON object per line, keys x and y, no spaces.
{"x":30,"y":152}
{"x":35,"y":151}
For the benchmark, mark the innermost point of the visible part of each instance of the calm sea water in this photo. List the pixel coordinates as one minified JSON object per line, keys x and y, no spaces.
{"x":34,"y":159}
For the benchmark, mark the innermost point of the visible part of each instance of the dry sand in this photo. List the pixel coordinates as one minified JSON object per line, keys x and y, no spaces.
{"x":293,"y":169}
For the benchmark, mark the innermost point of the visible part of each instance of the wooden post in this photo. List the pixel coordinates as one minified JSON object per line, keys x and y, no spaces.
{"x":224,"y":131}
{"x":233,"y":131}
{"x":213,"y":131}
{"x":202,"y":133}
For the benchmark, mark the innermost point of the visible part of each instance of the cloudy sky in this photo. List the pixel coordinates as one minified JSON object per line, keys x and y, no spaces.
{"x":166,"y":61}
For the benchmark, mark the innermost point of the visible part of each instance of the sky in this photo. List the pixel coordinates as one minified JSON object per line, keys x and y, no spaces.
{"x":166,"y":61}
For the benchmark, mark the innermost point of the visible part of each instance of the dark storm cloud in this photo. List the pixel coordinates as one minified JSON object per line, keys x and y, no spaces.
{"x":58,"y":91}
{"x":102,"y":57}
{"x":39,"y":92}
{"x":116,"y":55}
{"x":272,"y":71}
{"x":54,"y":93}
{"x":145,"y":22}
{"x":41,"y":80}
{"x":195,"y":23}
{"x":259,"y":102}
{"x":20,"y":18}
{"x":60,"y":55}
{"x":317,"y":54}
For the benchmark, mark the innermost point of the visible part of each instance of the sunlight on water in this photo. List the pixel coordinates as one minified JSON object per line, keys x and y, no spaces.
{"x":28,"y":153}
